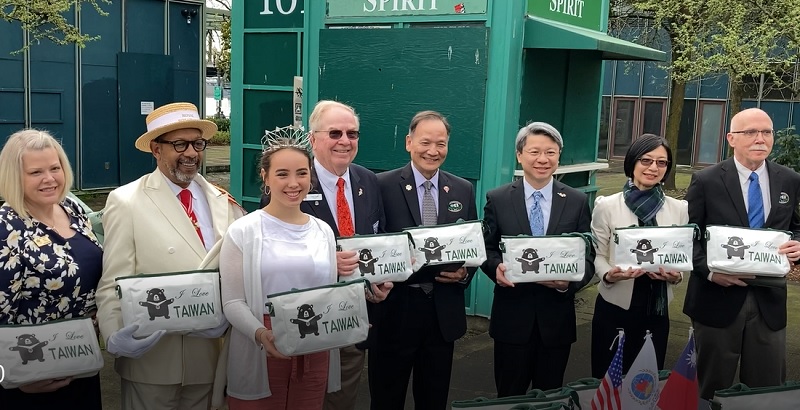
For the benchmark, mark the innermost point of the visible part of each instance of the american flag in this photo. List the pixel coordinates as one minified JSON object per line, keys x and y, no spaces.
{"x":607,"y":396}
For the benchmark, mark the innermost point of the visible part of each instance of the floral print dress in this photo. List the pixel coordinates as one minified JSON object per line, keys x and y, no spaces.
{"x":41,"y":277}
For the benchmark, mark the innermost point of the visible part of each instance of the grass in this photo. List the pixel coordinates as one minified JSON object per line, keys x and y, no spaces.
{"x":611,"y":182}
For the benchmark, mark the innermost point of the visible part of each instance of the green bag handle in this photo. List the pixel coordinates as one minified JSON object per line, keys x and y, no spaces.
{"x":586,"y":236}
{"x":707,"y":236}
{"x":695,"y":230}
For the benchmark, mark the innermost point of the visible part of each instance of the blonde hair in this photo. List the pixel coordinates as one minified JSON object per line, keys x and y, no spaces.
{"x":322,"y":107}
{"x":11,"y":173}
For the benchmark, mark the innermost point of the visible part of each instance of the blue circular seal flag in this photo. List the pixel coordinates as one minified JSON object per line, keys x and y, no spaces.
{"x":642,"y":386}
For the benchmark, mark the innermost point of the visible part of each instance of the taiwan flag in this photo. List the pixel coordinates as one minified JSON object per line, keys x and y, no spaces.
{"x":681,"y":392}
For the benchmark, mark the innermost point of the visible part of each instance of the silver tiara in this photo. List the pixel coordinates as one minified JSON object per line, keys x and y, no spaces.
{"x":286,"y":137}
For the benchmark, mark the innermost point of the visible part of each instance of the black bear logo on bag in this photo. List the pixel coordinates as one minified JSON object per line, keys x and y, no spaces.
{"x":735,"y":247}
{"x":157,"y":303}
{"x":530,"y":260}
{"x":29,"y":348}
{"x":306,"y":320}
{"x":644,"y":251}
{"x":366,"y":262}
{"x":432,"y":249}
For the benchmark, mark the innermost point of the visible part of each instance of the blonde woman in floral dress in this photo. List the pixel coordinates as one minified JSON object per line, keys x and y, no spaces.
{"x":50,"y":261}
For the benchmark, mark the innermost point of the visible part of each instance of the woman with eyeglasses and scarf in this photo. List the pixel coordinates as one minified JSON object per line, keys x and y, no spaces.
{"x":634,"y":300}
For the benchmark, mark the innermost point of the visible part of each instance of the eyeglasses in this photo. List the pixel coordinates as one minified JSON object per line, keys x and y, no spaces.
{"x":660,"y":163}
{"x":336,"y":134}
{"x":181,"y":145}
{"x":753,"y":133}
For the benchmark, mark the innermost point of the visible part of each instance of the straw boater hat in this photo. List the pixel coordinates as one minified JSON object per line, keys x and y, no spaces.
{"x":173,"y":117}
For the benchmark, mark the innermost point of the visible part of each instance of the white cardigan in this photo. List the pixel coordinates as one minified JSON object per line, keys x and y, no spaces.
{"x":240,"y":262}
{"x":611,"y":212}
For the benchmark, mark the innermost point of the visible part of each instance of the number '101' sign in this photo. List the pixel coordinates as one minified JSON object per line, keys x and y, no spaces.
{"x":279,"y":5}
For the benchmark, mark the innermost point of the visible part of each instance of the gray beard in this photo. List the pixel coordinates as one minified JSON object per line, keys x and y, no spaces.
{"x":180,"y":176}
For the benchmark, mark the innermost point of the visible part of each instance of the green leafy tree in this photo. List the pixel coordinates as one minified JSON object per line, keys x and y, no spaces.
{"x":46,"y":19}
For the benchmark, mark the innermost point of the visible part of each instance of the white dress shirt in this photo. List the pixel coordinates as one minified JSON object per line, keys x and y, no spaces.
{"x":327,"y":181}
{"x":201,"y":210}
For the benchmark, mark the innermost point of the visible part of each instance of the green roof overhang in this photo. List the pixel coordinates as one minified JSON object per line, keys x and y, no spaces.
{"x":542,"y":33}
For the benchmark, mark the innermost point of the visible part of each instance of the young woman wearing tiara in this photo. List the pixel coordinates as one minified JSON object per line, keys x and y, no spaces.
{"x":276,"y":249}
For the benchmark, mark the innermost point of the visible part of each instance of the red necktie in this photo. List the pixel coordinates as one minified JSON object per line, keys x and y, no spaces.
{"x":186,"y":201}
{"x":343,"y":211}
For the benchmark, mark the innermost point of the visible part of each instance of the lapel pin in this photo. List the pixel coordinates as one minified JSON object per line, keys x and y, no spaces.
{"x":446,"y":188}
{"x":784,"y":198}
{"x":316,"y":203}
{"x":408,"y":187}
{"x":561,"y":194}
{"x":360,"y":191}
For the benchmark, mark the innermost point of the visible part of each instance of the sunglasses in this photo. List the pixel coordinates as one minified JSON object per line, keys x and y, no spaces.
{"x":660,"y":163}
{"x":336,"y":134}
{"x":181,"y":145}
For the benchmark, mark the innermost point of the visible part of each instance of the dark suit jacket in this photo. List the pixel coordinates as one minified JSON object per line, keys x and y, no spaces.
{"x":516,"y":310}
{"x":401,"y":207}
{"x":367,"y":206}
{"x":715,"y":198}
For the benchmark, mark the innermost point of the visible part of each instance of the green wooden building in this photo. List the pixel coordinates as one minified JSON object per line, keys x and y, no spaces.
{"x":490,"y":66}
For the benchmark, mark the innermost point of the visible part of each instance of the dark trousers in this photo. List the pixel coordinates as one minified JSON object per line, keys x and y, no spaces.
{"x":518,"y":367}
{"x":414,"y":344}
{"x":83,"y":393}
{"x":747,"y":343}
{"x":608,"y":319}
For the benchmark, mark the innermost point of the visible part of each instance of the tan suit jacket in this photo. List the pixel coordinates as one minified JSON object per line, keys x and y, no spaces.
{"x":147,"y":231}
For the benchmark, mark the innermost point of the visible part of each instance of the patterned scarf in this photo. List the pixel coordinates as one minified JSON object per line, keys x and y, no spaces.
{"x":645,"y":205}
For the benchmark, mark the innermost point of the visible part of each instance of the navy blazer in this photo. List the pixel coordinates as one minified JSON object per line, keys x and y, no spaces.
{"x":401,"y":207}
{"x":516,"y":310}
{"x":715,"y":198}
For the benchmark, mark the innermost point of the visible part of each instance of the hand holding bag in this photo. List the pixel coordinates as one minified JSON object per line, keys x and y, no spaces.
{"x":735,"y":250}
{"x":381,"y":257}
{"x":52,"y":350}
{"x":179,"y":302}
{"x":545,"y":258}
{"x":319,"y":319}
{"x":456,"y":242}
{"x":653,"y":247}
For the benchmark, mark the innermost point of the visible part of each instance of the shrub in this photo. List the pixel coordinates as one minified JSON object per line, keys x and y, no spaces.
{"x":221,"y":138}
{"x":786,"y":150}
{"x":223,"y":124}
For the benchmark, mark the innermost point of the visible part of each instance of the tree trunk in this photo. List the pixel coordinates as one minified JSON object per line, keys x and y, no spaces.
{"x":737,"y":90}
{"x":677,"y":91}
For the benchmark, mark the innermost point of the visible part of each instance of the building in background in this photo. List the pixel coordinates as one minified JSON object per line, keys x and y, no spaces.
{"x":95,"y":99}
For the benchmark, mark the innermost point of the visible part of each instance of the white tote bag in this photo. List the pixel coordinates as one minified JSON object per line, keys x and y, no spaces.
{"x":319,"y":319}
{"x":52,"y":350}
{"x":653,"y":247}
{"x":735,"y":250}
{"x":441,"y":244}
{"x":178,"y":302}
{"x":543,"y":258}
{"x":741,"y":397}
{"x":381,"y":257}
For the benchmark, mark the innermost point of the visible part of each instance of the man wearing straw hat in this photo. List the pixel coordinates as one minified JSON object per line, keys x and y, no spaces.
{"x":166,"y":221}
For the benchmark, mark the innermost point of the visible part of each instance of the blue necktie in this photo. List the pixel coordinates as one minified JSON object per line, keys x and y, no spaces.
{"x":755,"y":203}
{"x":536,"y":217}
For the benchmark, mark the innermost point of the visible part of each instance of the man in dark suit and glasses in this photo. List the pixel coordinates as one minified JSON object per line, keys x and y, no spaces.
{"x":736,"y":324}
{"x":346,"y":196}
{"x":420,"y":322}
{"x":533,"y":324}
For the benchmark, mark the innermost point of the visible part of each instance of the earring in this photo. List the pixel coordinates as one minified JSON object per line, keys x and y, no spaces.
{"x":266,"y":190}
